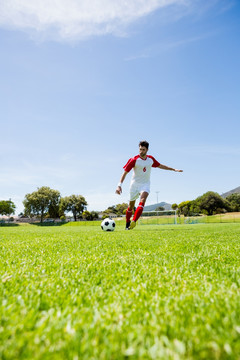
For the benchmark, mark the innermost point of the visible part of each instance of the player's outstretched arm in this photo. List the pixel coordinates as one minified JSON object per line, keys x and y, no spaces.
{"x":119,"y":187}
{"x":164,"y":167}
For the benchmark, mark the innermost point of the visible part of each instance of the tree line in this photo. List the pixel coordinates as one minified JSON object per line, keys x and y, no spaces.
{"x":210,"y":203}
{"x":47,"y":202}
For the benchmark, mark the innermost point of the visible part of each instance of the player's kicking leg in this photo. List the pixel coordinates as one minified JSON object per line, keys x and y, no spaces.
{"x":139,"y":210}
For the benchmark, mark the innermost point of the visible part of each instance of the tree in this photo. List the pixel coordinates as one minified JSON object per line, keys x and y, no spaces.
{"x":54,"y":210}
{"x":160,"y":208}
{"x":94,"y":214}
{"x":194,"y":208}
{"x":41,"y":201}
{"x":106,"y":213}
{"x":111,"y":209}
{"x":234,"y":201}
{"x":7,"y":207}
{"x":211,"y":203}
{"x":121,"y":208}
{"x":118,"y":209}
{"x":87,"y":215}
{"x":184,"y":208}
{"x":174,"y":206}
{"x":75,"y":204}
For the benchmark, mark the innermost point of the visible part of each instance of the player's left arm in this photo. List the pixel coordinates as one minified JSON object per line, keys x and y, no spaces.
{"x":157,"y":164}
{"x":164,"y":167}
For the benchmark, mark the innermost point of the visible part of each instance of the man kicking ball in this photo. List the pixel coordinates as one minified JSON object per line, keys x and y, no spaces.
{"x":140,"y":183}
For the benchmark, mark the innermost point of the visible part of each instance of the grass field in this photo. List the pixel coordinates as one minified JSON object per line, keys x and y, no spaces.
{"x":157,"y":292}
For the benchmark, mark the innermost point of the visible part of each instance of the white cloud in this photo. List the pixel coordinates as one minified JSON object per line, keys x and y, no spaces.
{"x":76,"y":19}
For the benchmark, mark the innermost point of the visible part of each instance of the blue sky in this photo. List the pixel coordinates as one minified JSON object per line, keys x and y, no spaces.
{"x":84,"y":82}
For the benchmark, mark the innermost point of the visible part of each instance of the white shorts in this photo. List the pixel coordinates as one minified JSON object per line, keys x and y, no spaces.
{"x":137,"y":189}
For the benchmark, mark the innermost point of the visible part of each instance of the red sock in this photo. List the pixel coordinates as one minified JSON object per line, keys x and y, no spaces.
{"x":128,"y":215}
{"x":138,"y":211}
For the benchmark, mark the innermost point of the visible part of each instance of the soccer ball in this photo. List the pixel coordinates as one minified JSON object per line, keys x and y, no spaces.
{"x":108,"y":225}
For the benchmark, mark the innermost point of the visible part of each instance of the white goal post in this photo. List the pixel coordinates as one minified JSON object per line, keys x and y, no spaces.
{"x":161,"y":217}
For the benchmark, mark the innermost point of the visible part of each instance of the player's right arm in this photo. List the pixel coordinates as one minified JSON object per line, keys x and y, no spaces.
{"x":128,"y":167}
{"x":119,"y":187}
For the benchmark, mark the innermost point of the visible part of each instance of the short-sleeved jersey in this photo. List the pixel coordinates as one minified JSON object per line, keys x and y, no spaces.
{"x":141,"y":168}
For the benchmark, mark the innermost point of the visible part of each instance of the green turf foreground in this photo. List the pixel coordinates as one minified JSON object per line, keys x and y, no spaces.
{"x":157,"y":292}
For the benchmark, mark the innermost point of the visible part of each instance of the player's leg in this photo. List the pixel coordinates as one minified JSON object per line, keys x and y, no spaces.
{"x":139,"y":209}
{"x":134,"y":194}
{"x":129,"y":212}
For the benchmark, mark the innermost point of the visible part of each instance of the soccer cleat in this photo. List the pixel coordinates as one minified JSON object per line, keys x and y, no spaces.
{"x":132,"y":225}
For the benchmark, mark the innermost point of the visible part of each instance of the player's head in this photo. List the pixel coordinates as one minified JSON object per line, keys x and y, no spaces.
{"x":144,"y":143}
{"x":143,"y":148}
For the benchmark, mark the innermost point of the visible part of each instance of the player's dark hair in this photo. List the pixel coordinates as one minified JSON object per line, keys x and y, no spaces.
{"x":144,"y":143}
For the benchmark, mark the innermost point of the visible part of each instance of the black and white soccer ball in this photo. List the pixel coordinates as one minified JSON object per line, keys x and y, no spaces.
{"x":108,"y":225}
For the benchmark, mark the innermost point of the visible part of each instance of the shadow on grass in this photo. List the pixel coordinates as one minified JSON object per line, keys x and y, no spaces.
{"x":8,"y":224}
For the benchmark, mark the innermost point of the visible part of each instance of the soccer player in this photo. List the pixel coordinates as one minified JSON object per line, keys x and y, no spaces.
{"x":140,"y":183}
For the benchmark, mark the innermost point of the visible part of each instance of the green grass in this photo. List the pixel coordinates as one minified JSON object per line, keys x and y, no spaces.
{"x":157,"y":292}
